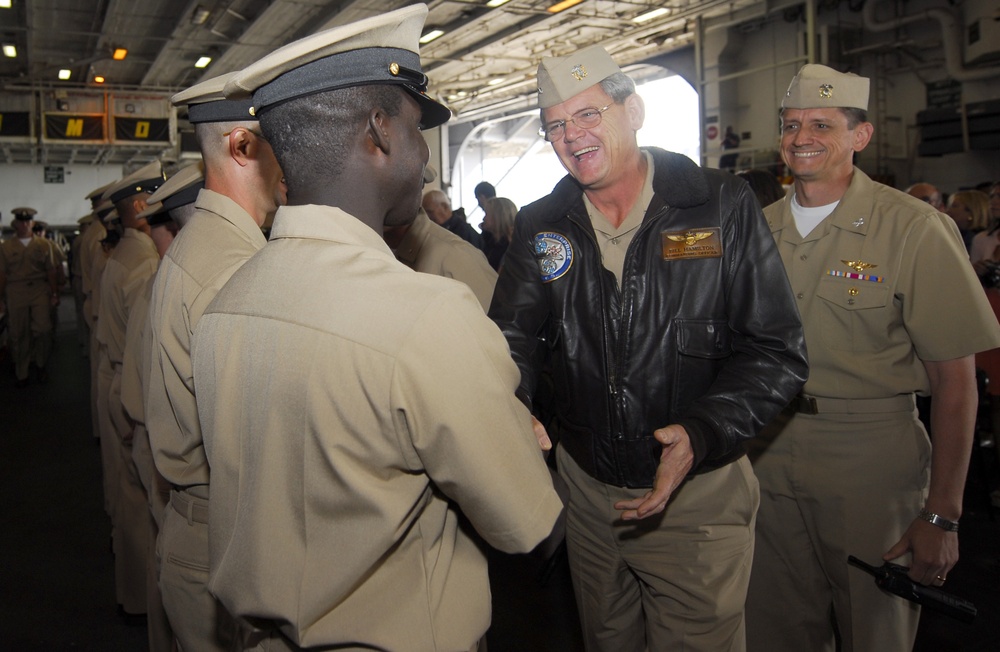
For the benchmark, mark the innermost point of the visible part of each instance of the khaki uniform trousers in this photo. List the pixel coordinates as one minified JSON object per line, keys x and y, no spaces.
{"x":29,"y":324}
{"x":258,"y":641}
{"x":130,"y":523}
{"x":199,"y":621}
{"x":110,"y":460}
{"x":161,"y":635}
{"x":675,"y":581}
{"x":82,"y":326}
{"x":95,"y":362}
{"x":834,"y":485}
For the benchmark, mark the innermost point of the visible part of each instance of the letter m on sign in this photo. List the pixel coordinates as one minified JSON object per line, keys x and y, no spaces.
{"x":74,"y":127}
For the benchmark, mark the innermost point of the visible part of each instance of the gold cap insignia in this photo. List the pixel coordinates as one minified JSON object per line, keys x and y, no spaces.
{"x":826,"y":91}
{"x":394,"y":68}
{"x":578,"y":72}
{"x":858,"y":266}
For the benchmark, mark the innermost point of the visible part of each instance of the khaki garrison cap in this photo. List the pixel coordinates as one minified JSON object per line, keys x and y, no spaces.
{"x":383,"y":49}
{"x":179,"y":190}
{"x":818,"y":87}
{"x":146,"y":179}
{"x":97,"y":193}
{"x":24,"y":213}
{"x":111,"y":216}
{"x":560,"y":78}
{"x":206,"y":103}
{"x":102,"y":209}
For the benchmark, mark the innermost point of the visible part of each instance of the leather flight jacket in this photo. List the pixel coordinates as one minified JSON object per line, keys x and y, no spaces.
{"x":703,"y":332}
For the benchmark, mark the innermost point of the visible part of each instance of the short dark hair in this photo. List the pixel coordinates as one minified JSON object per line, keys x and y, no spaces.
{"x":485,"y":188}
{"x":854,"y":116}
{"x":312,"y":135}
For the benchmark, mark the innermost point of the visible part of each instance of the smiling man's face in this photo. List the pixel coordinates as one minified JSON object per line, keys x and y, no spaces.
{"x":818,"y":144}
{"x":594,"y":156}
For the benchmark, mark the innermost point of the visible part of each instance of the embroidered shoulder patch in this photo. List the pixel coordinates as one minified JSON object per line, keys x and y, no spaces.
{"x":554,"y":255}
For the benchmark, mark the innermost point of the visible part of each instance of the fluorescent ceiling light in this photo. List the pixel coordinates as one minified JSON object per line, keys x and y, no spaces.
{"x":202,"y":62}
{"x":431,"y":35}
{"x":650,"y":15}
{"x":4,"y":4}
{"x":496,"y":3}
{"x":9,"y":50}
{"x":119,"y":54}
{"x":495,"y":81}
{"x":200,"y":15}
{"x":65,"y":73}
{"x":563,"y":6}
{"x":98,"y":79}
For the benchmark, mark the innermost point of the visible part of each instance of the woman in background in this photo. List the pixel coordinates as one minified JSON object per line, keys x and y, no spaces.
{"x":499,"y":221}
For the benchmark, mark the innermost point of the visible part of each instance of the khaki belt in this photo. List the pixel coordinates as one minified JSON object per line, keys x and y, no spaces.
{"x":804,"y":404}
{"x":195,"y":510}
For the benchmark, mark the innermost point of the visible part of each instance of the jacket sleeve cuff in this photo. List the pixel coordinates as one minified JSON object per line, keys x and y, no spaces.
{"x":522,"y":395}
{"x":702,"y":437}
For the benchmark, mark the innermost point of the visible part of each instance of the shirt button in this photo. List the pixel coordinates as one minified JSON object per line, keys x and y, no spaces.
{"x":803,"y":257}
{"x":800,"y":295}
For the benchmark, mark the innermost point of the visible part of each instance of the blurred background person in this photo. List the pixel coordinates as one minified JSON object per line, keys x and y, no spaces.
{"x":971,"y":211}
{"x":499,"y":224}
{"x":928,"y":193}
{"x":764,"y":184}
{"x":985,"y":243}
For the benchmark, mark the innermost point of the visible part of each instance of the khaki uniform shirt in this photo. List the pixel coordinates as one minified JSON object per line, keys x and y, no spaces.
{"x":432,"y":249}
{"x":74,"y":250}
{"x":26,"y":269}
{"x":350,"y":407}
{"x":135,"y":359}
{"x":218,"y":239}
{"x":916,"y":297}
{"x":132,"y":263}
{"x":90,"y":253}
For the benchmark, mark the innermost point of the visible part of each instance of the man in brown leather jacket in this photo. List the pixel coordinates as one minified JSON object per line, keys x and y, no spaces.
{"x":652,"y":292}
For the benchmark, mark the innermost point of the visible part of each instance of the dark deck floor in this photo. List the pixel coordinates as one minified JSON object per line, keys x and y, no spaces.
{"x":56,"y":577}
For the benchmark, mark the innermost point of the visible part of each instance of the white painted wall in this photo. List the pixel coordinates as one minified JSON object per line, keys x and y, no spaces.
{"x":56,"y":203}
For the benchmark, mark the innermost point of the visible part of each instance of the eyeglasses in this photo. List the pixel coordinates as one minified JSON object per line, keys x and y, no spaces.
{"x":584,"y":119}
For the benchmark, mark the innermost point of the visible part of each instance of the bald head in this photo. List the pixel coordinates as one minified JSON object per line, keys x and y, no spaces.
{"x":928,"y":193}
{"x":437,"y":206}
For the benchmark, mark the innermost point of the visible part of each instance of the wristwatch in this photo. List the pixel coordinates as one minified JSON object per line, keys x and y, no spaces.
{"x":940,"y":521}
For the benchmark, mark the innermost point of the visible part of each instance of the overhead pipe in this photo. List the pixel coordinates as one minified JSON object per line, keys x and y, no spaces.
{"x":950,"y":38}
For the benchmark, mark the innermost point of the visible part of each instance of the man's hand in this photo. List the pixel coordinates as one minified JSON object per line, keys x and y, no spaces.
{"x":675,"y":462}
{"x":935,"y":552}
{"x":540,"y":434}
